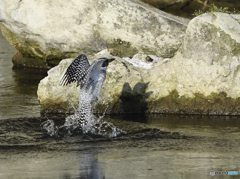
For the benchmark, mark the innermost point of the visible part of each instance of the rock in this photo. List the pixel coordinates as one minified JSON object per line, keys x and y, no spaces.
{"x":202,"y":78}
{"x":55,"y":30}
{"x":216,"y":50}
{"x":216,"y":38}
{"x":56,"y":98}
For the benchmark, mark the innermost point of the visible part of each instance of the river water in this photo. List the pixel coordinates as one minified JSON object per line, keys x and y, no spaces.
{"x":156,"y":146}
{"x":18,"y":87}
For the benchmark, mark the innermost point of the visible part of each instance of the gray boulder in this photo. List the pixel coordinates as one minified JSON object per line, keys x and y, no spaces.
{"x":49,"y":31}
{"x":202,"y":78}
{"x":56,"y":98}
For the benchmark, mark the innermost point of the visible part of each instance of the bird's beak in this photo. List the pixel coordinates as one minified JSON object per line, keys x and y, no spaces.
{"x":110,"y":60}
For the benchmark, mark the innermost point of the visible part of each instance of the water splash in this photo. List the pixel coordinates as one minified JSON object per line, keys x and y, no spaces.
{"x":90,"y":79}
{"x":83,"y":121}
{"x":50,"y":128}
{"x":93,"y":126}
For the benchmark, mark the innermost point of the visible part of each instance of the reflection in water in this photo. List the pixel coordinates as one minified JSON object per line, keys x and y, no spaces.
{"x":190,"y":124}
{"x":203,"y":147}
{"x":18,"y":87}
{"x":167,"y":164}
{"x":21,"y":164}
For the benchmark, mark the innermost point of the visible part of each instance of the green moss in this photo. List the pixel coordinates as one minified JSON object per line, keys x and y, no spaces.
{"x":30,"y":51}
{"x":214,"y":104}
{"x":57,"y":107}
{"x":53,"y":56}
{"x":11,"y":37}
{"x":214,"y":8}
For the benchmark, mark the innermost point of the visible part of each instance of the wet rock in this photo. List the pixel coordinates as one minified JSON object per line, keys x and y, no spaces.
{"x":55,"y":30}
{"x":202,"y":78}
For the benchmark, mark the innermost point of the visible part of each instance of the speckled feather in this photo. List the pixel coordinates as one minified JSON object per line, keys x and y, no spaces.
{"x":90,"y":79}
{"x":76,"y":71}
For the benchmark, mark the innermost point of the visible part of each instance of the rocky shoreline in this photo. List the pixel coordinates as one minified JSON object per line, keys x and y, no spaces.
{"x":164,"y":64}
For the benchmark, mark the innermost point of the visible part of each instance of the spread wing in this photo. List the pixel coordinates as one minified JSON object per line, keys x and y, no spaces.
{"x":76,"y":70}
{"x":92,"y":73}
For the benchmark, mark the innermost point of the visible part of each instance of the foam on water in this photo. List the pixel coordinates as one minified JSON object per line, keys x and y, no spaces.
{"x":83,"y":120}
{"x":93,"y":125}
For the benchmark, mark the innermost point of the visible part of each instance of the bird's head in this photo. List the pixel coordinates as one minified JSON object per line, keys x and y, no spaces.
{"x":105,"y":62}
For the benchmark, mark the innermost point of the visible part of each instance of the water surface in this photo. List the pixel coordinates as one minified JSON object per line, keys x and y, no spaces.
{"x":155,"y":148}
{"x":18,"y":87}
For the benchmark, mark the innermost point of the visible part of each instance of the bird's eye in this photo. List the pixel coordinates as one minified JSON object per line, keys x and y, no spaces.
{"x":105,"y":63}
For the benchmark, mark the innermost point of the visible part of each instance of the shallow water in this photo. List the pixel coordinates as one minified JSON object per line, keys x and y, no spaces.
{"x":18,"y":87}
{"x":156,"y":146}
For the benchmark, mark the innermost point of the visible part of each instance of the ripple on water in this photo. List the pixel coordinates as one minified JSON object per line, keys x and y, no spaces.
{"x":146,"y":151}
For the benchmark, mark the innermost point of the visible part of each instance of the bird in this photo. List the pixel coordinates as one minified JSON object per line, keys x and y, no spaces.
{"x":90,"y":78}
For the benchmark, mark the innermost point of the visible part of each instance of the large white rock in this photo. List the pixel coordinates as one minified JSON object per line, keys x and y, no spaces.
{"x":51,"y":30}
{"x":56,"y":98}
{"x":212,"y":42}
{"x":202,"y":78}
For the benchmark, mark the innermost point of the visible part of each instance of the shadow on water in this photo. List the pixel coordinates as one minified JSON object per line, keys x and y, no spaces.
{"x":132,"y":100}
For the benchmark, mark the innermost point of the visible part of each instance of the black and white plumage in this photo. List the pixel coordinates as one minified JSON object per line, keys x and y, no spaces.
{"x":76,"y":71}
{"x":89,"y":77}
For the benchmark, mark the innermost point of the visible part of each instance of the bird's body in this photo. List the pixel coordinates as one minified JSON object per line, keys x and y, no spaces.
{"x":90,"y":78}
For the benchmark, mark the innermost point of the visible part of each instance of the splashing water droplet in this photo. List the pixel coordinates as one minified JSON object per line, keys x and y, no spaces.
{"x":91,"y":81}
{"x":49,"y":126}
{"x":84,"y":121}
